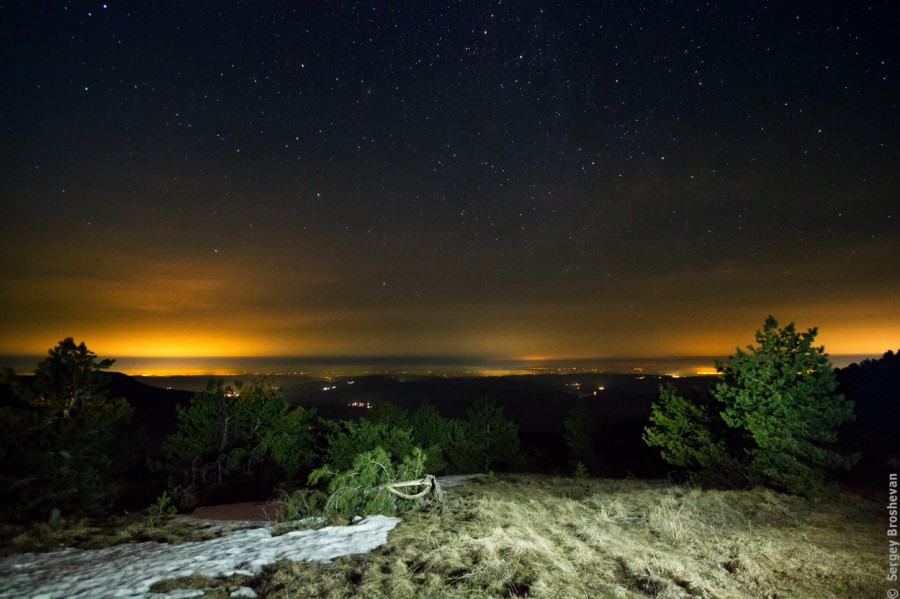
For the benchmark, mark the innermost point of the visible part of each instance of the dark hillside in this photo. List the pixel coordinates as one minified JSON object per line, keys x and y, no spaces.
{"x":874,"y":385}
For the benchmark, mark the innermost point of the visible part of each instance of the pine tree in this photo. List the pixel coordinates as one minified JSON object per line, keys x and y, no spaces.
{"x":773,"y":419}
{"x":65,"y":443}
{"x":431,"y":431}
{"x":485,"y":439}
{"x":581,"y":430}
{"x":246,"y":436}
{"x":782,"y":395}
{"x":685,"y":432}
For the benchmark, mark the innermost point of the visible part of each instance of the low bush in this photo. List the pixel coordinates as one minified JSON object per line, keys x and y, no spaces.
{"x":161,"y":510}
{"x":362,"y":489}
{"x":345,"y":439}
{"x":232,"y":440}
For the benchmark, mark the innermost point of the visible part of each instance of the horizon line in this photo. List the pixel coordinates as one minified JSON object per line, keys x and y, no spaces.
{"x":676,"y":365}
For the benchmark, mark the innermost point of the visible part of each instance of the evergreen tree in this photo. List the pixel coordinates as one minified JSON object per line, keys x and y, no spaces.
{"x":64,"y":444}
{"x":347,"y":438}
{"x":431,"y":431}
{"x":485,"y":439}
{"x":389,"y":414}
{"x":68,"y":378}
{"x":581,"y":430}
{"x":244,"y":438}
{"x":773,"y":418}
{"x":781,"y":394}
{"x":691,"y":434}
{"x":874,"y":387}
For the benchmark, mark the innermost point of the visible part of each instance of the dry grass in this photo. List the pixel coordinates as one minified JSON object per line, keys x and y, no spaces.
{"x":553,"y":537}
{"x":95,"y":534}
{"x":529,"y":535}
{"x":212,"y":588}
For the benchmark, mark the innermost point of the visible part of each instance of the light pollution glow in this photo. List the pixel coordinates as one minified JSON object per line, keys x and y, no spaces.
{"x":185,"y":342}
{"x":491,"y":333}
{"x":175,"y":310}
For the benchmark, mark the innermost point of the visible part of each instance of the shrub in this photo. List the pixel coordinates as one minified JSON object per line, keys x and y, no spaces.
{"x":236,"y":437}
{"x":362,"y":490}
{"x":581,"y":473}
{"x":346,"y":439}
{"x":299,"y":504}
{"x":161,"y":509}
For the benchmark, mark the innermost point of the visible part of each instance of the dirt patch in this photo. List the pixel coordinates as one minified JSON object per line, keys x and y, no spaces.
{"x":249,"y":511}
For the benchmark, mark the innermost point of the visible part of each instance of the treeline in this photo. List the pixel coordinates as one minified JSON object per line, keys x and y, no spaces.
{"x":247,"y":437}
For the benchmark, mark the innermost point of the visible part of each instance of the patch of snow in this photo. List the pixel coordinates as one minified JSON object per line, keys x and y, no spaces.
{"x":130,"y":570}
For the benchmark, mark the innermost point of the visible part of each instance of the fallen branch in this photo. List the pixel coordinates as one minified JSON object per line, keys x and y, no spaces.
{"x":430,"y":483}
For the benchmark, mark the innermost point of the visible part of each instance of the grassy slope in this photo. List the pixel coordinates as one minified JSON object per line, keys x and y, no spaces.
{"x":560,"y":537}
{"x":556,"y":537}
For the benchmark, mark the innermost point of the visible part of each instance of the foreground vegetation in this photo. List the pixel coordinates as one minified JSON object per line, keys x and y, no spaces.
{"x":530,"y":535}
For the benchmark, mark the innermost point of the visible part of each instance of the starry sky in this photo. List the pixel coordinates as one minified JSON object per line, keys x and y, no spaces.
{"x":467,"y":178}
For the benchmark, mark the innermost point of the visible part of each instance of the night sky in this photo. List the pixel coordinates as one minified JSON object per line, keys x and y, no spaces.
{"x":492,"y":179}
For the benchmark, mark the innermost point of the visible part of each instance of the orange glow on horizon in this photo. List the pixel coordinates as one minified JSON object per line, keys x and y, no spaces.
{"x":538,"y":358}
{"x":181,"y":347}
{"x":141,"y":345}
{"x":214,"y":343}
{"x":182,"y":370}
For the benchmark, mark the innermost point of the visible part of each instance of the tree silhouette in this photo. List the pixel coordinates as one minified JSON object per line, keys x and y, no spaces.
{"x":65,"y":442}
